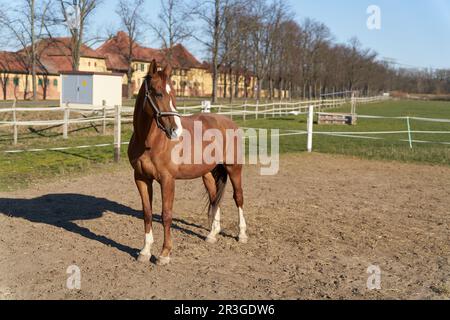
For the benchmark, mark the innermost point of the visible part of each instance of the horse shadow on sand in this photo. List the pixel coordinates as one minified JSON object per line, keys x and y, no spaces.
{"x":63,"y":210}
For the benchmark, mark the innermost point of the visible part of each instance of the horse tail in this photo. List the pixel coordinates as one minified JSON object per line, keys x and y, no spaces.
{"x":220,"y":175}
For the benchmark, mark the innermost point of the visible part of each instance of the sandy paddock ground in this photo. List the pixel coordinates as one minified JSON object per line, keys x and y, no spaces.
{"x":314,"y":230}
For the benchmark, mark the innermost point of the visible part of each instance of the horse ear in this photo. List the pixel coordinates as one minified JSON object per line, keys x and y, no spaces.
{"x":153,"y":68}
{"x":168,"y":71}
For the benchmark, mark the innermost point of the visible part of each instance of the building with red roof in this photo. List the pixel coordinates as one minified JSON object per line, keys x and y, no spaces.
{"x":190,"y":77}
{"x":54,"y":55}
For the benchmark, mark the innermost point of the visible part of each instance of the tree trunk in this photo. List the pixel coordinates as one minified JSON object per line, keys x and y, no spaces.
{"x":4,"y":86}
{"x":44,"y":88}
{"x":260,"y":83}
{"x":33,"y":50}
{"x":231,"y":85}
{"x":225,"y":85}
{"x":215,"y":57}
{"x":25,"y":93}
{"x":76,"y":53}
{"x":130,"y":82}
{"x":271,"y":89}
{"x":236,"y":86}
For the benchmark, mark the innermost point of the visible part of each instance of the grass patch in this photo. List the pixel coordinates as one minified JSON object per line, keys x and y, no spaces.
{"x":390,"y":147}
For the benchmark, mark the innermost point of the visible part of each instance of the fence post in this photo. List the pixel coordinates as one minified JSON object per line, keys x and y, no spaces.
{"x":104,"y":119}
{"x":231,"y":114}
{"x":334,"y":97}
{"x":257,"y":110}
{"x":245,"y":112}
{"x":117,"y":133}
{"x":15,"y":127}
{"x":66,"y":121}
{"x":265,"y":111}
{"x":353,"y":103}
{"x":310,"y":127}
{"x":409,"y":132}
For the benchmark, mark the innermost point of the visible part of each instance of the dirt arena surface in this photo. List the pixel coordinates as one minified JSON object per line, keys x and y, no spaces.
{"x":314,"y":230}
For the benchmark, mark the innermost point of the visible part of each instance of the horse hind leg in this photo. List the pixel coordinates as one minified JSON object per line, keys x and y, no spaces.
{"x":235,"y":173}
{"x":214,"y":209}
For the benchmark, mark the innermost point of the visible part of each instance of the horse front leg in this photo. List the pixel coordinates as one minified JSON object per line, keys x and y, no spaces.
{"x":168,"y":195}
{"x":145,"y":188}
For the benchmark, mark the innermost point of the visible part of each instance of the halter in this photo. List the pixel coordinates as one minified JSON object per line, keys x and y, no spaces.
{"x":158,"y":114}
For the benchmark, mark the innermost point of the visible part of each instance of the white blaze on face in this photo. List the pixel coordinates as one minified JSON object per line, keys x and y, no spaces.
{"x":168,"y":88}
{"x":179,"y":130}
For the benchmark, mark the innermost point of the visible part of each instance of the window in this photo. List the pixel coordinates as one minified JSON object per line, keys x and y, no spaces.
{"x":55,"y":82}
{"x":142,"y":67}
{"x":95,"y":64}
{"x":89,"y":64}
{"x":40,"y":82}
{"x":16,"y":81}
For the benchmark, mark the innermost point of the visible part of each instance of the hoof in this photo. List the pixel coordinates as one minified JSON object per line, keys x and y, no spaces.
{"x":211,"y":240}
{"x":163,"y":261}
{"x":243,"y":240}
{"x":143,"y":259}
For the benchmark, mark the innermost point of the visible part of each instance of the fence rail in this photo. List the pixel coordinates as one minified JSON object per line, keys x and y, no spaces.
{"x":119,"y":115}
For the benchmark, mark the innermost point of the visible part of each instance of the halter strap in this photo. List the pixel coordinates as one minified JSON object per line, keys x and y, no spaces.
{"x":156,"y":112}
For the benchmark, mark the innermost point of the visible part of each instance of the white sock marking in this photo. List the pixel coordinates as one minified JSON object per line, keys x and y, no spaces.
{"x":242,"y":225}
{"x":215,"y":229}
{"x":147,"y":251}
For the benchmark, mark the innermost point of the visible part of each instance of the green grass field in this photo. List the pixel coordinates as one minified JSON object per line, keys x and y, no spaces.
{"x":390,"y":147}
{"x":17,"y":170}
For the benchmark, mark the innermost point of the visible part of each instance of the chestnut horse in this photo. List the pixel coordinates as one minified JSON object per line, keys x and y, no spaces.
{"x":158,"y":129}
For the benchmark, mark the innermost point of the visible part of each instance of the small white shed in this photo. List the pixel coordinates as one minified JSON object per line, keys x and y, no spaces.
{"x":91,"y":88}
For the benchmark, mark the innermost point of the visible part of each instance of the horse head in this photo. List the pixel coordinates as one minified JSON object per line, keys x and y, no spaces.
{"x":159,"y":101}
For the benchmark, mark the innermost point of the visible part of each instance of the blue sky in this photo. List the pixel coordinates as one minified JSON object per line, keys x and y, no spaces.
{"x":413,"y":32}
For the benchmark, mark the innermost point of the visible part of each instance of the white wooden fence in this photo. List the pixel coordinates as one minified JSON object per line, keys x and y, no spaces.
{"x":119,"y":115}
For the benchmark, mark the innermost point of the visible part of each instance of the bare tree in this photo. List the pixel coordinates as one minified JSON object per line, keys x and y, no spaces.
{"x":75,"y":17}
{"x":212,"y":14}
{"x":130,"y":13}
{"x":233,"y":46}
{"x":173,"y":24}
{"x":28,"y":23}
